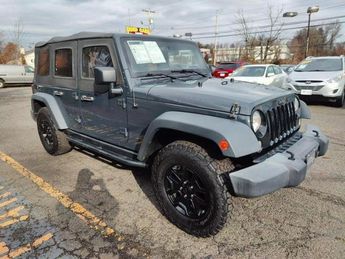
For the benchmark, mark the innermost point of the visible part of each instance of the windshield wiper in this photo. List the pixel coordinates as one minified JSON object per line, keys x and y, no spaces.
{"x":160,"y":75}
{"x":184,"y":71}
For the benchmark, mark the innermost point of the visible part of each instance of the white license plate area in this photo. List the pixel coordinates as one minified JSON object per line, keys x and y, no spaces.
{"x":222,"y":74}
{"x":311,"y":157}
{"x":306,"y":92}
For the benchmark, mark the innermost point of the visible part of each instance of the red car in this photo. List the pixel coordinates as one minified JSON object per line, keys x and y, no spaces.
{"x":225,"y":69}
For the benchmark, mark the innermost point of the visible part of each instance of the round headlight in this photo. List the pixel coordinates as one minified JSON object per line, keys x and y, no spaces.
{"x":296,"y":104}
{"x":256,"y":121}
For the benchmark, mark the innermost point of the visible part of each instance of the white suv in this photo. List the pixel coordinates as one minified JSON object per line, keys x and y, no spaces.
{"x":321,"y":77}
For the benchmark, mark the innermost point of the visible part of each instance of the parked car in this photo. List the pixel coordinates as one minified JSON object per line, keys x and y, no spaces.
{"x":227,"y":68}
{"x":287,"y":68}
{"x":16,"y":75}
{"x":150,"y":101}
{"x":320,"y":77}
{"x":265,"y":74}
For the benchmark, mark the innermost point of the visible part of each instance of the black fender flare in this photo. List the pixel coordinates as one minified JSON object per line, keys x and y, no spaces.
{"x":54,"y":108}
{"x":241,"y":138}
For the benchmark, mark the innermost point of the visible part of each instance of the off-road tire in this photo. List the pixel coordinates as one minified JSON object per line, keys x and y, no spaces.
{"x":2,"y":83}
{"x":210,"y":170}
{"x":339,"y":102}
{"x":59,"y":143}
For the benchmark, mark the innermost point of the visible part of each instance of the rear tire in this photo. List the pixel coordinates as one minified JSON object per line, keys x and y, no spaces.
{"x":190,"y":188}
{"x":53,"y":140}
{"x":2,"y":83}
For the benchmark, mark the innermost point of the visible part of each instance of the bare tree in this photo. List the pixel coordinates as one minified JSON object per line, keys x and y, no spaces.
{"x":322,"y":41}
{"x":333,"y":32}
{"x":18,"y":36}
{"x":261,"y":45}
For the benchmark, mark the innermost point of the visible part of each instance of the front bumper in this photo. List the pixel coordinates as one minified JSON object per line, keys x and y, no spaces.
{"x":284,"y":169}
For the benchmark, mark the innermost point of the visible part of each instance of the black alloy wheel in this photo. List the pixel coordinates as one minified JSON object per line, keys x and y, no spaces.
{"x":190,"y":187}
{"x":186,"y":192}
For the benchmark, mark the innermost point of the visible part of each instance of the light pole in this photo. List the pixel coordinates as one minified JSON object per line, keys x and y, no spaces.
{"x":310,"y":10}
{"x":215,"y":39}
{"x":150,"y":19}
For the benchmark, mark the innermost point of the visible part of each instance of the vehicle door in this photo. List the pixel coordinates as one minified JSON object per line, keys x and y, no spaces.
{"x":103,"y":116}
{"x":280,"y":77}
{"x":12,"y":74}
{"x":28,"y":76}
{"x":62,"y":83}
{"x":270,"y":76}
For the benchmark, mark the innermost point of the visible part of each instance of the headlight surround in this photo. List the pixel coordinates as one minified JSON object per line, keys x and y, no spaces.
{"x":334,"y":79}
{"x":289,"y":80}
{"x":297,"y":104}
{"x":258,"y":123}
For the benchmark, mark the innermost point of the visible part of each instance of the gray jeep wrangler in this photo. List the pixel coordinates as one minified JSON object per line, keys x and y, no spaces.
{"x":147,"y":101}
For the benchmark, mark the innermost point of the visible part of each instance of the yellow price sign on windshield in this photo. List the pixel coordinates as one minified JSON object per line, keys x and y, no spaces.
{"x":137,"y":30}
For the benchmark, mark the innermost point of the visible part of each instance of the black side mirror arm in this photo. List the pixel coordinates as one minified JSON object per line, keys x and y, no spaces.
{"x":115,"y":91}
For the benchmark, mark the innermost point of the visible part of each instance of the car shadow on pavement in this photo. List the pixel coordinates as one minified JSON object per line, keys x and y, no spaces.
{"x":143,"y":179}
{"x":141,"y":175}
{"x":92,"y":193}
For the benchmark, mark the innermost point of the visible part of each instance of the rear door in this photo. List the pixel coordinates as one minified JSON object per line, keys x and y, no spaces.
{"x":63,"y":83}
{"x":103,"y":116}
{"x":28,"y":75}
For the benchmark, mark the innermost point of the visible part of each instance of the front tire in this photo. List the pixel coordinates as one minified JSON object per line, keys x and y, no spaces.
{"x":2,"y":83}
{"x":54,"y":141}
{"x":339,"y":102}
{"x":190,"y":188}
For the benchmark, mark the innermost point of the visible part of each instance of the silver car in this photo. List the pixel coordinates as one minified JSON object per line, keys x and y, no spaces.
{"x":16,"y":75}
{"x":320,"y":77}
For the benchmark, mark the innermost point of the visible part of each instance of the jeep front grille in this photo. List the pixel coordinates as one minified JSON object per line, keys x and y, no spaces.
{"x":282,"y":122}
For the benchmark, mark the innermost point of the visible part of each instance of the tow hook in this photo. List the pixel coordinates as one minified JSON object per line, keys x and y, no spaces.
{"x":316,"y":133}
{"x":292,"y":156}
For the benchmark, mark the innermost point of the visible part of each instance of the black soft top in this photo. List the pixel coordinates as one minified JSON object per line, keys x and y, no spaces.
{"x":93,"y":35}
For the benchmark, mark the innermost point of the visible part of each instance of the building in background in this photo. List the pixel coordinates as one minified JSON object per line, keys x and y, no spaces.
{"x":29,"y":58}
{"x":275,"y":53}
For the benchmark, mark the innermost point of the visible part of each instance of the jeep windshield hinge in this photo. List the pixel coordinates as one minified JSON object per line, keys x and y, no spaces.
{"x":124,"y":131}
{"x":235,"y":110}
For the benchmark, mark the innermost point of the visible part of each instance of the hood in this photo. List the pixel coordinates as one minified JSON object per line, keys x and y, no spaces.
{"x":215,"y":94}
{"x":251,"y":79}
{"x":317,"y":75}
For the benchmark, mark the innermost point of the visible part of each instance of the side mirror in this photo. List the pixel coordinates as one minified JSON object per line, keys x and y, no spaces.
{"x":269,"y":74}
{"x":105,"y":79}
{"x":104,"y":75}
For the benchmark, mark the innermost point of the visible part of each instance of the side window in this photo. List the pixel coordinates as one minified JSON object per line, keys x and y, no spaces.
{"x":28,"y":69}
{"x":97,"y":56}
{"x":43,"y":65}
{"x":277,"y":70}
{"x":270,"y":70}
{"x":63,"y":62}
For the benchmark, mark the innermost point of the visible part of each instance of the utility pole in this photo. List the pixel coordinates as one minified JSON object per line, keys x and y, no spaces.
{"x":215,"y":39}
{"x":149,"y":12}
{"x":129,"y":18}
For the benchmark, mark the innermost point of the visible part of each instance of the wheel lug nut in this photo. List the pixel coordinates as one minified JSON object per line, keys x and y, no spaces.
{"x":185,"y":196}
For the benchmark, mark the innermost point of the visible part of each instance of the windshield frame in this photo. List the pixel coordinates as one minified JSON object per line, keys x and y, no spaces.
{"x":136,"y":74}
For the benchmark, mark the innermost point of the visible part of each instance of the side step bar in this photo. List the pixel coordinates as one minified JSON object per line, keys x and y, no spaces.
{"x":103,"y":149}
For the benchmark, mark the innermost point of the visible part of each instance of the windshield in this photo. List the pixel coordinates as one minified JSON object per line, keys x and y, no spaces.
{"x":151,"y":56}
{"x":320,"y":64}
{"x":228,"y":66}
{"x":252,"y":71}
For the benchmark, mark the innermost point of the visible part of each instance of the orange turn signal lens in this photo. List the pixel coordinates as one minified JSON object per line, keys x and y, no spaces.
{"x":223,"y":144}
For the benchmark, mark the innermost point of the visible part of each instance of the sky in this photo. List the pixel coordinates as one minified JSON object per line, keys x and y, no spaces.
{"x":43,"y":19}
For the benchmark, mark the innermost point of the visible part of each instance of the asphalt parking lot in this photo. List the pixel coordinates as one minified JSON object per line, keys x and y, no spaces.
{"x":78,"y":206}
